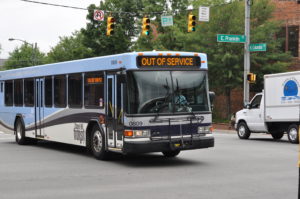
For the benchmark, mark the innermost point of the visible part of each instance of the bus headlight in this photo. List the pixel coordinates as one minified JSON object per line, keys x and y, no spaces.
{"x":204,"y":130}
{"x":137,"y":133}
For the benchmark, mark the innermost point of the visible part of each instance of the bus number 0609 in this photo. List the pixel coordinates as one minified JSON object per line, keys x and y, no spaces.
{"x":137,"y":123}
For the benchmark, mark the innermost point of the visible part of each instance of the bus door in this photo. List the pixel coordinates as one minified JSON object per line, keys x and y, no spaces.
{"x":110,"y":111}
{"x":120,"y":97}
{"x":114,"y":110}
{"x":39,"y":107}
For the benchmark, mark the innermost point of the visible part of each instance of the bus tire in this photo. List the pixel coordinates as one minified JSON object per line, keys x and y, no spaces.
{"x":293,"y":134}
{"x":97,"y":144}
{"x":171,"y":154}
{"x":243,"y":131}
{"x":277,"y":135}
{"x":20,"y":132}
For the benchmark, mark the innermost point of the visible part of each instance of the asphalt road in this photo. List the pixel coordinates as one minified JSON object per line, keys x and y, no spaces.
{"x":255,"y":168}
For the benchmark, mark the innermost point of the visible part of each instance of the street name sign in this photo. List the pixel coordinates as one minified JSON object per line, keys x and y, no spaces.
{"x":166,"y":21}
{"x":231,"y":38}
{"x":258,"y":47}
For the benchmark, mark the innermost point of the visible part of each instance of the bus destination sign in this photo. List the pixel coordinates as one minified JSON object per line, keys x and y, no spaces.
{"x":168,"y":61}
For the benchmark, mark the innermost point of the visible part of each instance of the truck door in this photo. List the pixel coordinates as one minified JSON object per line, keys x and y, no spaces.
{"x":255,"y":115}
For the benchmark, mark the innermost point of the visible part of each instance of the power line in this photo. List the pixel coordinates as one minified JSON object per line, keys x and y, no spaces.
{"x":57,"y":5}
{"x":119,"y":12}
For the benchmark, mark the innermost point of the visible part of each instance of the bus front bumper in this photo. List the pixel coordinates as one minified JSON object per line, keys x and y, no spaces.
{"x":168,"y":145}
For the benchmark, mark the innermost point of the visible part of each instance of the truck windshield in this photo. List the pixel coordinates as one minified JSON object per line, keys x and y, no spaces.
{"x":167,"y":91}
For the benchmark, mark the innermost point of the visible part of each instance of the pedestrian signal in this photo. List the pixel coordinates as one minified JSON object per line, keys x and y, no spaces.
{"x":251,"y":77}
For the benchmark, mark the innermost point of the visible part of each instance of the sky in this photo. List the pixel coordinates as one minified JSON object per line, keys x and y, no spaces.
{"x":41,"y":24}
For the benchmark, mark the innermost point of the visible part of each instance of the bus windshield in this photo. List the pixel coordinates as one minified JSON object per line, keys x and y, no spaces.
{"x":167,"y":92}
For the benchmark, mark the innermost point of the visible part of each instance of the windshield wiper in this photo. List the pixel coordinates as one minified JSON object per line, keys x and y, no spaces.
{"x":161,"y":105}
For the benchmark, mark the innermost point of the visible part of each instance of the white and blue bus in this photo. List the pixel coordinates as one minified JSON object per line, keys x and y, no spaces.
{"x":135,"y":102}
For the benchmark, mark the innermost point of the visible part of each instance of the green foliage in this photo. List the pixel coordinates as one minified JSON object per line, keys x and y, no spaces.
{"x":164,"y":38}
{"x":95,"y":32}
{"x":24,"y":56}
{"x":69,"y":48}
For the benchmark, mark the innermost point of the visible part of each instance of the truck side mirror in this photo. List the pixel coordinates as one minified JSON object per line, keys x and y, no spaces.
{"x":247,"y":106}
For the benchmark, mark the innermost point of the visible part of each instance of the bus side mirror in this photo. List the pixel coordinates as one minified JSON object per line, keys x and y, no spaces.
{"x":212,"y":96}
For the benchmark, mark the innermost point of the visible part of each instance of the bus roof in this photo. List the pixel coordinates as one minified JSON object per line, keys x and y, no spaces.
{"x":111,"y":62}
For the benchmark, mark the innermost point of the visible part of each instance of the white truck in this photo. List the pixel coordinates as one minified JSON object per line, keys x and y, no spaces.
{"x":276,"y":110}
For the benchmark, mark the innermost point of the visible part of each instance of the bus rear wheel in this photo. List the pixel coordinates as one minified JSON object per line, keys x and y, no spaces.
{"x":171,"y":154}
{"x":98,"y":144}
{"x":20,"y":133}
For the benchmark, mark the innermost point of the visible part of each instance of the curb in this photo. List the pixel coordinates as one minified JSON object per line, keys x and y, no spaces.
{"x":224,"y":131}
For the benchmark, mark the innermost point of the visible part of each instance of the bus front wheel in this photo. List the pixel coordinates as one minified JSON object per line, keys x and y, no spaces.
{"x":98,"y":144}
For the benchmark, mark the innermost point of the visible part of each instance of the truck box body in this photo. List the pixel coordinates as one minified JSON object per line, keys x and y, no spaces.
{"x":282,"y":97}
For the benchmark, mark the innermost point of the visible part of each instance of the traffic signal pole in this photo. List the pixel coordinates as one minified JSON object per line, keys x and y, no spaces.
{"x":246,"y":51}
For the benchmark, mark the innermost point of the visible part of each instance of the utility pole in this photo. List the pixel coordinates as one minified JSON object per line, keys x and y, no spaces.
{"x":246,"y":50}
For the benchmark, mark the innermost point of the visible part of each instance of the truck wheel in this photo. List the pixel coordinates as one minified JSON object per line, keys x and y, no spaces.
{"x":98,"y":144}
{"x":243,"y":130}
{"x":20,"y":133}
{"x":277,"y":135}
{"x":171,"y":154}
{"x":293,"y":134}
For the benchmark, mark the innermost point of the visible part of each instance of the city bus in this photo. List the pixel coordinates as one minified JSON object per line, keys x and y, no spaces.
{"x":129,"y":103}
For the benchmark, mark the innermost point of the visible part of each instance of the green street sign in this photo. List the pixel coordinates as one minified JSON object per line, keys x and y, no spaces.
{"x":231,"y":38}
{"x":166,"y":21}
{"x":258,"y":47}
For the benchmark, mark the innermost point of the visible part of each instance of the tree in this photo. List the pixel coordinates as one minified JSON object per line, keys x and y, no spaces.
{"x":24,"y":56}
{"x":69,"y":48}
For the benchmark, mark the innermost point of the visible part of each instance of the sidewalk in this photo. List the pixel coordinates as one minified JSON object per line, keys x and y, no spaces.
{"x":223,"y":127}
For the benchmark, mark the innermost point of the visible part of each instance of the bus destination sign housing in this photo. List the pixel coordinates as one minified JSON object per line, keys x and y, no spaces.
{"x":168,"y":61}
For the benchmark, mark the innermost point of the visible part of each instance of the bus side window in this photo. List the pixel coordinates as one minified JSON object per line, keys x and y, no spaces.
{"x":48,"y":92}
{"x":94,"y":90}
{"x":60,"y":91}
{"x":1,"y":87}
{"x":29,"y":92}
{"x":18,"y":92}
{"x":8,"y":93}
{"x":75,"y":90}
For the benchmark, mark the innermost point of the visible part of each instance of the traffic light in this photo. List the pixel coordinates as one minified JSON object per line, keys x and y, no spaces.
{"x":191,"y":23}
{"x":251,"y":77}
{"x":110,"y":26}
{"x":146,"y":26}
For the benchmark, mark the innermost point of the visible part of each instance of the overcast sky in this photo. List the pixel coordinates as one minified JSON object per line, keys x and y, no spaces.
{"x":39,"y":23}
